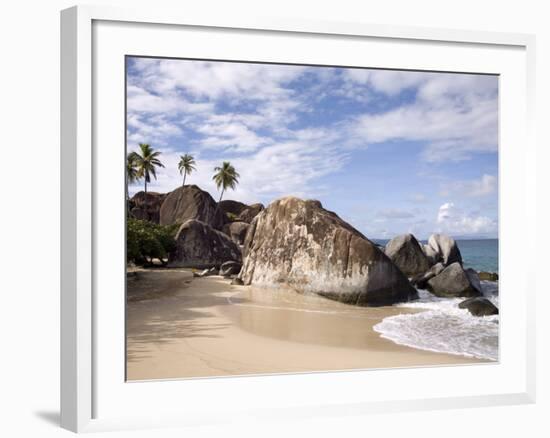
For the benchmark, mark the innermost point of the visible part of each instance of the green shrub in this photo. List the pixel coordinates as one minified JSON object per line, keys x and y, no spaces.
{"x":146,"y":241}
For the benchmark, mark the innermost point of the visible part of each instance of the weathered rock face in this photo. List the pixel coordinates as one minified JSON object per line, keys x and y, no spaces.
{"x":230,"y":206}
{"x":198,"y":245}
{"x":149,"y":210}
{"x":190,"y":202}
{"x":432,"y":255}
{"x":407,"y":254}
{"x":445,"y":249}
{"x":474,"y":279}
{"x":250,"y":212}
{"x":453,"y":281}
{"x":479,"y":306}
{"x":237,"y":231}
{"x":302,"y":245}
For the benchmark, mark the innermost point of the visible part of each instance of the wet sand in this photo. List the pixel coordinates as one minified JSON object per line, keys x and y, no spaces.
{"x":180,"y":327}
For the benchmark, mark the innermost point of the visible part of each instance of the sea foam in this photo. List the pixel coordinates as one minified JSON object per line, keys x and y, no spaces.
{"x":443,"y":327}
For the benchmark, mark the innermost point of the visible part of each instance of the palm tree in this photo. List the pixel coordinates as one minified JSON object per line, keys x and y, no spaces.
{"x":226,"y":177}
{"x":131,"y":173}
{"x":186,"y":166}
{"x":147,"y":161}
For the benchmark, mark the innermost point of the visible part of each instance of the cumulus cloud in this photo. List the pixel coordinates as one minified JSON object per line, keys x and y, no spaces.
{"x":453,"y":221}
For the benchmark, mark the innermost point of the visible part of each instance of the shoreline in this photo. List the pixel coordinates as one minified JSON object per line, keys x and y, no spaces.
{"x":189,"y":327}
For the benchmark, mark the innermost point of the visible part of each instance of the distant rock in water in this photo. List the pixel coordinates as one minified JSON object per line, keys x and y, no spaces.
{"x":407,"y":254}
{"x":453,"y":281}
{"x":488,"y":276}
{"x":237,"y":231}
{"x":250,"y":212}
{"x":148,"y":211}
{"x":198,"y":245}
{"x":233,"y":207}
{"x":444,"y":248}
{"x":300,"y":244}
{"x":190,"y":202}
{"x":479,"y":306}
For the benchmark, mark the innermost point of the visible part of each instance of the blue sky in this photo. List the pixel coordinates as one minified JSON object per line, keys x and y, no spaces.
{"x":388,"y":151}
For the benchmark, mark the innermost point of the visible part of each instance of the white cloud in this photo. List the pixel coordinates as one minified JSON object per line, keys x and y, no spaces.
{"x":453,"y":221}
{"x":455,"y":115}
{"x":484,"y":186}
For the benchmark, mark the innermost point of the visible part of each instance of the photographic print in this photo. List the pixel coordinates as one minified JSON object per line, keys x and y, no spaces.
{"x":299,"y":218}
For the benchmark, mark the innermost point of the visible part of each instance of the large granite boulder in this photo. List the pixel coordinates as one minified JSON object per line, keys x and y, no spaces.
{"x":453,"y":281}
{"x":300,"y":244}
{"x":190,"y":202}
{"x":445,"y":249}
{"x":198,"y":245}
{"x":421,"y":280}
{"x":479,"y":306}
{"x":250,"y":212}
{"x":234,"y":208}
{"x":407,"y":254}
{"x":237,"y":231}
{"x":146,"y":208}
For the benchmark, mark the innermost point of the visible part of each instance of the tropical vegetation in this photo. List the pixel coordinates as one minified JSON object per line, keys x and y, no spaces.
{"x":226,"y":177}
{"x":186,"y":165}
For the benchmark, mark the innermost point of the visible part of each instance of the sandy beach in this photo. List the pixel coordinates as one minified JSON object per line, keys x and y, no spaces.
{"x":180,"y":327}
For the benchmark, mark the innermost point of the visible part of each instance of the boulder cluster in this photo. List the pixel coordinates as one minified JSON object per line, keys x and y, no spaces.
{"x":300,"y":244}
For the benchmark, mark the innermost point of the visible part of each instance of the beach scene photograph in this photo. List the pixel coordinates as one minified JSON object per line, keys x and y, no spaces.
{"x":301,"y":218}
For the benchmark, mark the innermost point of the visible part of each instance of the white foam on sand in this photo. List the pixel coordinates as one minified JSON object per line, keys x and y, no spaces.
{"x":444,"y":327}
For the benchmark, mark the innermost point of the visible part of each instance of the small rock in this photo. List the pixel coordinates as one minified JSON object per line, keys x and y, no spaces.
{"x":230,"y":268}
{"x":237,"y":282}
{"x":479,"y":306}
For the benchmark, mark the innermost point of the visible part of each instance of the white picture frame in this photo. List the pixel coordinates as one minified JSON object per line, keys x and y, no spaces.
{"x":89,"y":398}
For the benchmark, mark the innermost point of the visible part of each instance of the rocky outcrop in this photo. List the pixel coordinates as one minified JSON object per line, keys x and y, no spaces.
{"x":190,"y":202}
{"x":479,"y":306}
{"x":443,"y":248}
{"x":198,"y":245}
{"x":237,"y":231}
{"x":250,"y":212}
{"x":407,"y":254}
{"x":234,"y":208}
{"x":150,"y":210}
{"x":421,"y":280}
{"x":453,"y":281}
{"x":300,"y":244}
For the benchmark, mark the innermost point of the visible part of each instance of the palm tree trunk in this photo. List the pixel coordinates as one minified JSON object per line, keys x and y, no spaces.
{"x":184,"y":176}
{"x":221,"y":196}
